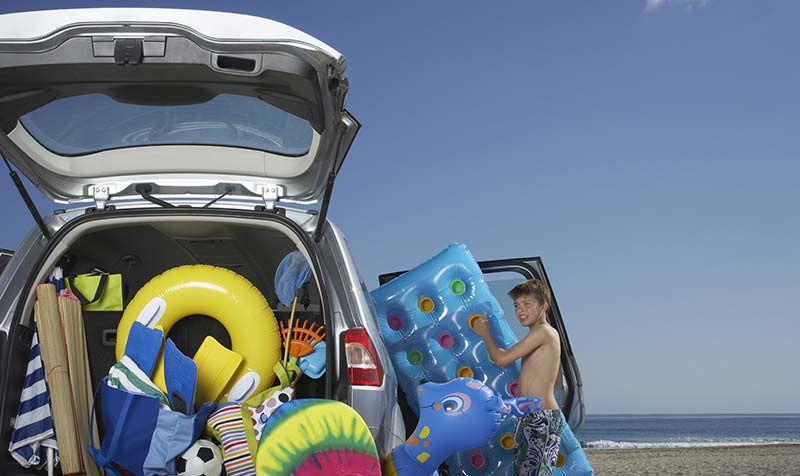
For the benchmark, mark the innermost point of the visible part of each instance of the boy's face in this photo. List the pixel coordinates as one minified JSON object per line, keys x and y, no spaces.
{"x":528,"y":310}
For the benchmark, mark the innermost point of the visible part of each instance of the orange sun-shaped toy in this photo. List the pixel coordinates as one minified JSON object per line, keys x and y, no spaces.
{"x":303,"y":338}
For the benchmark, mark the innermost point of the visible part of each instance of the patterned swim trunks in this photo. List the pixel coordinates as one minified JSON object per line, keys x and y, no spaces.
{"x":538,"y":437}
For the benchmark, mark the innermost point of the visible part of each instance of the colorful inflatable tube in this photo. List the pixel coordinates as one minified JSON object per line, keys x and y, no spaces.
{"x":230,"y":299}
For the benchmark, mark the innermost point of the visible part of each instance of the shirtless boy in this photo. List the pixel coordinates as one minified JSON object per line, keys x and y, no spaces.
{"x":538,"y":434}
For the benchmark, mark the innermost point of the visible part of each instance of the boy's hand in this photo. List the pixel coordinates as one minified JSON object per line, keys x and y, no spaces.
{"x":522,"y":406}
{"x":481,"y":326}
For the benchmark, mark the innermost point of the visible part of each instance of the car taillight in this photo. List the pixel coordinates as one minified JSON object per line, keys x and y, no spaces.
{"x":363,"y":365}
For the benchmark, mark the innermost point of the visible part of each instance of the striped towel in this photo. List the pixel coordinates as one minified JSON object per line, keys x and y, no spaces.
{"x":227,"y":426}
{"x":126,"y":375}
{"x":33,"y":427}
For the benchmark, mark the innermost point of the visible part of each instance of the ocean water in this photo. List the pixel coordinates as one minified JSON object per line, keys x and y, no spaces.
{"x":679,"y":431}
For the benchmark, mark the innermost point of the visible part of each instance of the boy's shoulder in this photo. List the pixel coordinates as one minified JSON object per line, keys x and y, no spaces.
{"x":545,"y":330}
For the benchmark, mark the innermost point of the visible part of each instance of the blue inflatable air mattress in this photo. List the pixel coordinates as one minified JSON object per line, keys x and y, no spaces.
{"x":424,"y":318}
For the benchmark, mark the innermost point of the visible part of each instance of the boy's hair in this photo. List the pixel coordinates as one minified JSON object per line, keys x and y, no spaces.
{"x":531,"y":287}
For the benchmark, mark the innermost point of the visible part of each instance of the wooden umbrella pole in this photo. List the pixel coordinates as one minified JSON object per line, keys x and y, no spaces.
{"x":289,"y":333}
{"x":54,"y":356}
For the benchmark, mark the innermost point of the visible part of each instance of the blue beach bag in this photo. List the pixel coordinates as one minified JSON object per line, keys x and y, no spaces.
{"x":141,"y":438}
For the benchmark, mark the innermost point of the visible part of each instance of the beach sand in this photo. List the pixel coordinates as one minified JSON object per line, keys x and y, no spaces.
{"x":768,"y":460}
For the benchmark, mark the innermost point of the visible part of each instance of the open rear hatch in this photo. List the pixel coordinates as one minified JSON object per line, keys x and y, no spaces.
{"x":104,"y":104}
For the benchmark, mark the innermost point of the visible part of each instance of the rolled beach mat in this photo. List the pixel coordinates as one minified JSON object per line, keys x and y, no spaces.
{"x":79,"y":375}
{"x":54,"y":356}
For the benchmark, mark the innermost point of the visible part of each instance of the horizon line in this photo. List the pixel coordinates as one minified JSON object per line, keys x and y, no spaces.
{"x":693,"y":413}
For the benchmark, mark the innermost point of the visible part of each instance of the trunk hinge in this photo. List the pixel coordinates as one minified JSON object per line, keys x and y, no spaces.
{"x":101,"y":194}
{"x":325,"y":203}
{"x":271,"y":194}
{"x":352,"y":127}
{"x":37,"y":217}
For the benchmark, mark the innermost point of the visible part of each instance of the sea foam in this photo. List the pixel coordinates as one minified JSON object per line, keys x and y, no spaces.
{"x":614,"y":445}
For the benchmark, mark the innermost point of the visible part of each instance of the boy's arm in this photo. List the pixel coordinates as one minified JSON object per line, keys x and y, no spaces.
{"x":503,"y":357}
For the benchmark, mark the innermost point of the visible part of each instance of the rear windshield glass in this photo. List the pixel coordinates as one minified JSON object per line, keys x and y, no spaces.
{"x":94,"y":122}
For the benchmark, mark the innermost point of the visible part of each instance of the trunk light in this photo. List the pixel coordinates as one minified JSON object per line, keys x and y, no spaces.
{"x":363,"y":365}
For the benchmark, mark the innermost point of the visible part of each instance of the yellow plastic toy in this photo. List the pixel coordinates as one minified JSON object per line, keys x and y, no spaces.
{"x":216,"y":365}
{"x":235,"y":303}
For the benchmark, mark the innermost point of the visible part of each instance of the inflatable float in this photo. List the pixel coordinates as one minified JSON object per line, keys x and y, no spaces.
{"x":454,"y":416}
{"x":314,"y":437}
{"x":424,"y":318}
{"x":223,"y":375}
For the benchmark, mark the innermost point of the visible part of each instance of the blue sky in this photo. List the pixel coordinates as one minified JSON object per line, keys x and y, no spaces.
{"x":647,"y":150}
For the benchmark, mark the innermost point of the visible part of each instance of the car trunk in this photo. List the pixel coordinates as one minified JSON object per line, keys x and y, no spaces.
{"x":141,"y":244}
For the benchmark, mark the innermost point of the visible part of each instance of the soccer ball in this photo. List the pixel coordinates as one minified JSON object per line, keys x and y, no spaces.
{"x":203,"y":458}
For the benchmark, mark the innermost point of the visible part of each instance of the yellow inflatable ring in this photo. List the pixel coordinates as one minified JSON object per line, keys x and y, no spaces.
{"x":227,"y":297}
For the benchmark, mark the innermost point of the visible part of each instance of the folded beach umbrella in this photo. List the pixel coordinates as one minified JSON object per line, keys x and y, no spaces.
{"x":292,"y":273}
{"x":33,"y":427}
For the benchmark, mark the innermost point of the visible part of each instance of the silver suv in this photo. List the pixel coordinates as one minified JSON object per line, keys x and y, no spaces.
{"x":180,"y":137}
